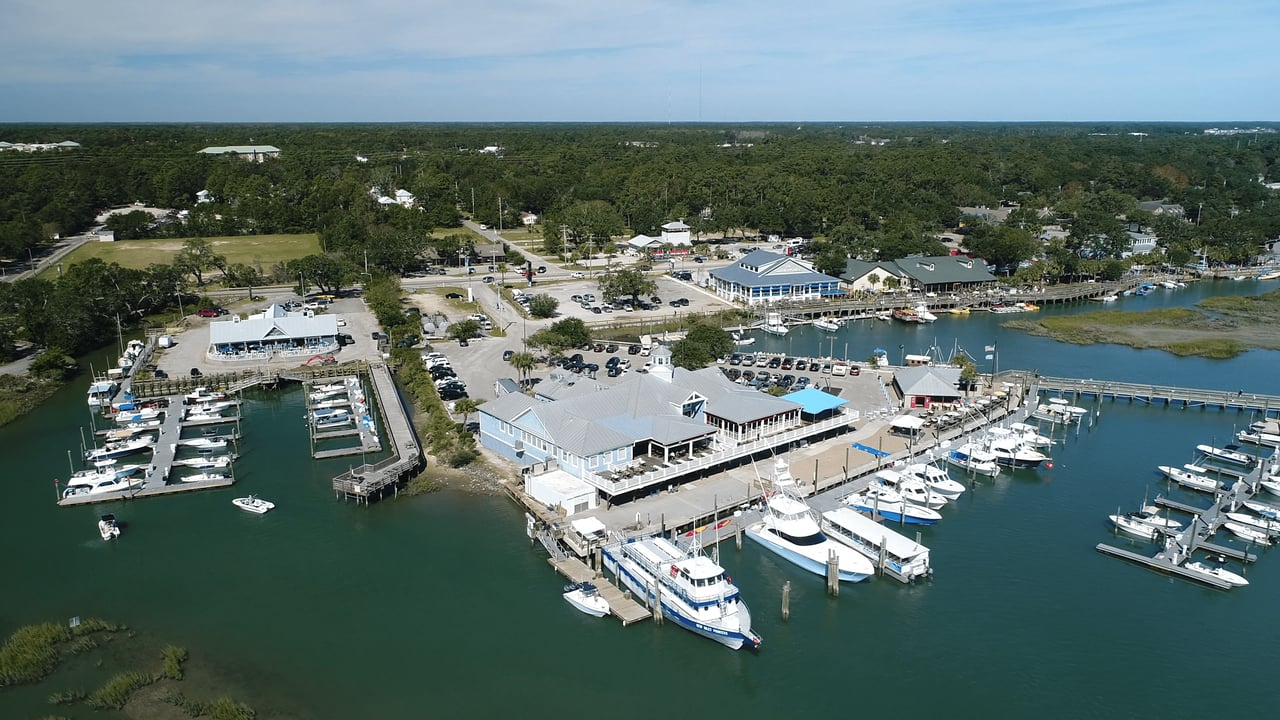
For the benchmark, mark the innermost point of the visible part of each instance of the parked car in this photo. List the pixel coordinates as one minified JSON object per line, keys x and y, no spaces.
{"x":633,"y":349}
{"x":161,"y":375}
{"x":472,"y":427}
{"x":462,"y":342}
{"x":195,"y":372}
{"x":578,"y":275}
{"x":207,"y":313}
{"x":376,"y":335}
{"x":611,"y":348}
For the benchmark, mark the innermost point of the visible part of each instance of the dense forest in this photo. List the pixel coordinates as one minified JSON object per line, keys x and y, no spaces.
{"x":872,"y":192}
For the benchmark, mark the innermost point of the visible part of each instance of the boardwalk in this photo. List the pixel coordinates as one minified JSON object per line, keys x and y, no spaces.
{"x":369,"y":481}
{"x":1135,"y":393}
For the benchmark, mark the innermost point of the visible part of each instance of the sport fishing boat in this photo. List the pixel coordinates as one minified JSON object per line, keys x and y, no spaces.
{"x":1011,"y":451}
{"x":253,"y":504}
{"x":1188,"y":479}
{"x":692,"y":590}
{"x":1216,"y":571}
{"x":935,"y":478}
{"x":1030,"y":435}
{"x":889,"y":505}
{"x":1130,"y":525}
{"x":911,"y":490}
{"x":789,"y":530}
{"x":586,"y":597}
{"x":828,"y":324}
{"x":972,"y":457}
{"x":774,"y":325}
{"x":1059,"y":411}
{"x":107,"y":527}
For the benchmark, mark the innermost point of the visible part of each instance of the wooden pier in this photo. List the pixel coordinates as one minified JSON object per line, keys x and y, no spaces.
{"x":1266,"y":406}
{"x":621,"y":604}
{"x":371,"y":481}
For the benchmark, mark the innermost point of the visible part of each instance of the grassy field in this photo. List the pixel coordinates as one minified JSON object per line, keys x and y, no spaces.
{"x":253,"y":250}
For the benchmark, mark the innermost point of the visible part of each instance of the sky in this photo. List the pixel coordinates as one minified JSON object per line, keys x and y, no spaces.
{"x":638,"y":60}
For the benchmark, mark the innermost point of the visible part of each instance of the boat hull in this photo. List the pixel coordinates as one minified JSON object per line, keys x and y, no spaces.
{"x":819,"y":568}
{"x":900,"y":515}
{"x":594,"y":606}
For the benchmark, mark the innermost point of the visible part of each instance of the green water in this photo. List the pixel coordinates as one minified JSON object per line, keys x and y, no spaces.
{"x":436,"y":606}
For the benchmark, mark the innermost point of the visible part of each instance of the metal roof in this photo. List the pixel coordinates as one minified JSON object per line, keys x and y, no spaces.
{"x":761,"y":268}
{"x":814,"y":401}
{"x":273,"y":324}
{"x":928,"y":380}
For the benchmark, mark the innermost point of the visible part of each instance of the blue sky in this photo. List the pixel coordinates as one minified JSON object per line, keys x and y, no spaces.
{"x":638,"y":60}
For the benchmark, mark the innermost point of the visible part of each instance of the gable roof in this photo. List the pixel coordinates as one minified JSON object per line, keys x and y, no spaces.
{"x":854,"y":269}
{"x":928,"y":380}
{"x":275,"y":323}
{"x":932,"y":270}
{"x":761,"y":267}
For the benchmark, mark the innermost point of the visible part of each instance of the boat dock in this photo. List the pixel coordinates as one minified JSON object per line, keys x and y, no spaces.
{"x":159,"y":479}
{"x":370,"y":481}
{"x":358,"y":413}
{"x":1267,"y":406}
{"x":621,"y":604}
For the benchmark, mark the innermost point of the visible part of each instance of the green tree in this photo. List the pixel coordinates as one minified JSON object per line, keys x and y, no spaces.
{"x":197,"y":257}
{"x":543,"y":305}
{"x":524,"y":363}
{"x":1002,"y":245}
{"x":700,"y":346}
{"x":464,"y":329}
{"x":573,"y":330}
{"x":466,"y":406}
{"x":626,"y":283}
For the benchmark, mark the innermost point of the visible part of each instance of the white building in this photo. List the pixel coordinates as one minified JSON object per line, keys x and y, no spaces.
{"x":252,"y":153}
{"x":274,"y":332}
{"x":676,"y":233}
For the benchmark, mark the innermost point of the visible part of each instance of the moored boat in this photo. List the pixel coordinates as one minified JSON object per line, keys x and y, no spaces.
{"x":1247,"y":533}
{"x":1228,"y":454}
{"x":906,"y":559}
{"x":789,"y":530}
{"x":1264,"y":439}
{"x":883,"y":504}
{"x":1132,"y":526}
{"x":1030,"y":435}
{"x":1270,"y":527}
{"x":1059,"y":411}
{"x":909,"y":488}
{"x":1216,"y":571}
{"x":204,"y":476}
{"x":1011,"y":452}
{"x":828,"y":324}
{"x":586,"y":597}
{"x":935,"y":478}
{"x":972,"y":457}
{"x":1271,"y":512}
{"x":690,"y":589}
{"x":1187,"y":479}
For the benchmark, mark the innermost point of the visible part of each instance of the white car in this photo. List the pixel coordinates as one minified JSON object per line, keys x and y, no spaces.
{"x":578,"y":276}
{"x":341,"y":322}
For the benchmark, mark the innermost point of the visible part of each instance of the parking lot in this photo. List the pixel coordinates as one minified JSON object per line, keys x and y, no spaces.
{"x":699,"y":300}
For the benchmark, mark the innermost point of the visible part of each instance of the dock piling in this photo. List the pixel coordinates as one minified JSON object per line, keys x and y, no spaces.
{"x":833,"y":574}
{"x":737,"y":535}
{"x":786,"y":600}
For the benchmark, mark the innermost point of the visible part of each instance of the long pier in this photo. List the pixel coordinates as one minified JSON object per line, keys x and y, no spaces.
{"x":370,"y":481}
{"x":1267,"y":406}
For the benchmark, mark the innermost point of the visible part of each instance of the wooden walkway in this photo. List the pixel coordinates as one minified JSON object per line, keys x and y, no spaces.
{"x":369,"y":481}
{"x":621,"y":605}
{"x":1240,"y":401}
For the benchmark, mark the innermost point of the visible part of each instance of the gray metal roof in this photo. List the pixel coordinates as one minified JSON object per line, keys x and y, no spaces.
{"x":928,"y":380}
{"x":761,"y":268}
{"x":240,"y":149}
{"x":935,"y":270}
{"x":274,"y":324}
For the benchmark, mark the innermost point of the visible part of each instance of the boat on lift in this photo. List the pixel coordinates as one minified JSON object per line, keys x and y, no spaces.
{"x":1230,"y":454}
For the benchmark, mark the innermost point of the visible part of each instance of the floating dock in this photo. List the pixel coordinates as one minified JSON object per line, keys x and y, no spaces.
{"x":372,"y":480}
{"x":621,"y":604}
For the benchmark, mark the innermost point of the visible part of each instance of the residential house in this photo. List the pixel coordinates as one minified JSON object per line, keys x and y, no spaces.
{"x":676,"y":233}
{"x":1161,"y":207}
{"x":527,"y":219}
{"x":762,"y":276}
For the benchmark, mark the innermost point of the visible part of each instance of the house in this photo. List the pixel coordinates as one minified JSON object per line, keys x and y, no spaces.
{"x":927,"y":385}
{"x":104,"y":235}
{"x":1160,"y":207}
{"x":995,"y":216}
{"x":527,"y":219}
{"x":273,"y":332}
{"x":614,"y":439}
{"x":252,"y":153}
{"x":204,"y":196}
{"x":871,"y":277}
{"x":939,"y":273}
{"x":676,"y":233}
{"x":761,"y":276}
{"x":405,"y":198}
{"x":490,"y":253}
{"x":644,"y":243}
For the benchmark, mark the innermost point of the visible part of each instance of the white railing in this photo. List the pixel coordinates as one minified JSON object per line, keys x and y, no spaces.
{"x":653,"y":477}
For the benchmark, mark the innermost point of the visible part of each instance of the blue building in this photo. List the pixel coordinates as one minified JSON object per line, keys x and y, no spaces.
{"x":763,"y":277}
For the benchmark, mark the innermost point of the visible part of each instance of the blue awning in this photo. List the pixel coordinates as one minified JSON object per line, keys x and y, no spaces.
{"x":815,"y":401}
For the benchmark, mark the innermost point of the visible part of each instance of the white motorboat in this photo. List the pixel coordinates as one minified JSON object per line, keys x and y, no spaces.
{"x":935,"y":478}
{"x":104,"y":486}
{"x":1131,"y":526}
{"x":586,"y":597}
{"x":207,"y":462}
{"x":203,"y":394}
{"x":879,"y":502}
{"x":1010,"y":451}
{"x":1271,"y":486}
{"x":1270,"y":527}
{"x":1150,"y":514}
{"x":204,"y":443}
{"x":1059,"y":411}
{"x":1030,"y":435}
{"x":212,"y":406}
{"x":742,"y":340}
{"x":971,"y":457}
{"x":1228,"y":454}
{"x":1271,"y":512}
{"x":108,"y":528}
{"x":789,"y":530}
{"x":692,"y":590}
{"x":341,"y":400}
{"x":253,"y":504}
{"x":333,"y":387}
{"x":128,"y":417}
{"x":1216,"y":571}
{"x":120,"y":448}
{"x":910,"y":489}
{"x":204,"y":476}
{"x":905,"y":557}
{"x":922,"y":312}
{"x":1247,"y":533}
{"x":828,"y":324}
{"x":1188,"y":479}
{"x":1264,"y":439}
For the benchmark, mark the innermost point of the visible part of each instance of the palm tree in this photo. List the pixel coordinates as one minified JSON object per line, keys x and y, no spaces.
{"x":465,"y":407}
{"x":524,"y":363}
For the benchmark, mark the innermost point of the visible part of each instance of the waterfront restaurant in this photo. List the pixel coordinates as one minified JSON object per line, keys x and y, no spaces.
{"x":926,"y":386}
{"x":275,"y":332}
{"x":764,"y":277}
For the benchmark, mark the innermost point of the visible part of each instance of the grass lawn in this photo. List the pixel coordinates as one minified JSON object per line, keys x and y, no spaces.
{"x":253,"y":250}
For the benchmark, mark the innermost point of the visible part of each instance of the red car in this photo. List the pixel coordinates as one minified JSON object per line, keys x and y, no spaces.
{"x":208,"y":312}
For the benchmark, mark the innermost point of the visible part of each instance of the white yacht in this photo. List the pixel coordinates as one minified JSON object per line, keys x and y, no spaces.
{"x":828,"y":324}
{"x":922,"y":312}
{"x":1229,"y":454}
{"x":789,"y":530}
{"x":1011,"y":451}
{"x":103,"y":486}
{"x":1248,"y":533}
{"x":972,"y":457}
{"x":586,"y":597}
{"x":1059,"y":411}
{"x":1217,"y":571}
{"x":774,"y":325}
{"x":935,"y":478}
{"x":253,"y":504}
{"x":879,"y":500}
{"x":120,"y":448}
{"x":911,"y":489}
{"x":692,"y":590}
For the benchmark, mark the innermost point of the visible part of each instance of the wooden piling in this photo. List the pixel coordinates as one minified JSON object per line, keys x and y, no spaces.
{"x":833,"y":574}
{"x":657,"y":602}
{"x":786,"y":600}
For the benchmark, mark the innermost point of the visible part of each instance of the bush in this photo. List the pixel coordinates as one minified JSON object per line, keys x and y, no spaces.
{"x":228,"y":709}
{"x":116,"y":693}
{"x":173,"y":658}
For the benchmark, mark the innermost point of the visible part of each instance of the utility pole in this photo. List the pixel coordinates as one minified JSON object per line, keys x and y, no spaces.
{"x":473,"y":203}
{"x":499,"y":214}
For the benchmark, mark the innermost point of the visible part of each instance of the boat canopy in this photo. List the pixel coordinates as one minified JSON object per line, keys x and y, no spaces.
{"x":907,"y":422}
{"x":588,"y":527}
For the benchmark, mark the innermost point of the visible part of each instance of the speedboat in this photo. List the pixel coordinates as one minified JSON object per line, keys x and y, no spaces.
{"x":133,"y":416}
{"x":1270,"y":527}
{"x":1216,"y":571}
{"x":789,"y":530}
{"x":204,"y":443}
{"x":692,"y":590}
{"x":935,"y":478}
{"x":1264,"y":439}
{"x":586,"y":597}
{"x":1030,"y":435}
{"x":911,"y":489}
{"x":1227,"y":454}
{"x":1132,"y":526}
{"x":1271,"y":512}
{"x":828,"y":324}
{"x":253,"y":504}
{"x":203,"y":394}
{"x":204,"y":476}
{"x":922,"y":312}
{"x":1188,"y":479}
{"x":107,"y":527}
{"x":1010,"y":451}
{"x":971,"y":457}
{"x":196,"y":416}
{"x":205,"y":462}
{"x":102,"y":487}
{"x":875,"y":502}
{"x":1150,"y":514}
{"x":120,"y":448}
{"x":1247,"y":533}
{"x":1271,"y":486}
{"x":1059,"y":411}
{"x":742,"y":341}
